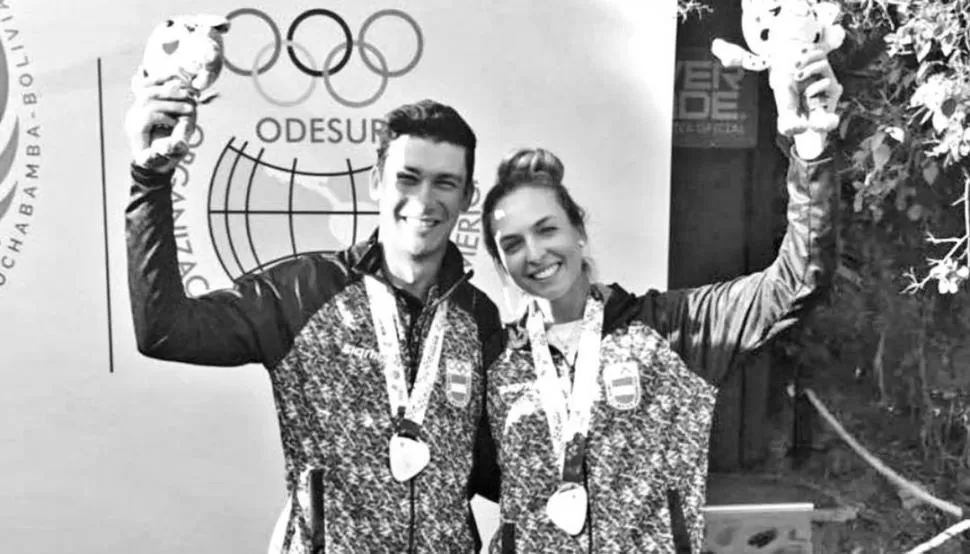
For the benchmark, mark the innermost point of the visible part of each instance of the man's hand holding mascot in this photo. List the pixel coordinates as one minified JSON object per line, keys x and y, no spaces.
{"x":183,"y":58}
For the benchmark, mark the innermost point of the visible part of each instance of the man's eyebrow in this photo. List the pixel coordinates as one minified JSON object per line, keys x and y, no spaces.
{"x":446,"y":174}
{"x":453,"y":176}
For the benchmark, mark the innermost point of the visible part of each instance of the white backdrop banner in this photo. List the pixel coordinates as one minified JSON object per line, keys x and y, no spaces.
{"x":105,"y":451}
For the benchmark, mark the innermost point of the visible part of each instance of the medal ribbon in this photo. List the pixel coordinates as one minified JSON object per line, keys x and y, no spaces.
{"x":388,"y":327}
{"x":568,"y":411}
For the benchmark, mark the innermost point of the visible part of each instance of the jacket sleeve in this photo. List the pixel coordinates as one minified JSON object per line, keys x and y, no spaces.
{"x":255,"y":321}
{"x":486,"y":478}
{"x":710,"y":326}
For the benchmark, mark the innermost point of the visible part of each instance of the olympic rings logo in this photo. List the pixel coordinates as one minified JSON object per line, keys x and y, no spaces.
{"x":368,"y":54}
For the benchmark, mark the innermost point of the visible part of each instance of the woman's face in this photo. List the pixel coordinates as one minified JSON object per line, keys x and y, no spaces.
{"x":539,"y":246}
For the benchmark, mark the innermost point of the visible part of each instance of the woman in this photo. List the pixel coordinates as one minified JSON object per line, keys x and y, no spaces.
{"x":601,"y":405}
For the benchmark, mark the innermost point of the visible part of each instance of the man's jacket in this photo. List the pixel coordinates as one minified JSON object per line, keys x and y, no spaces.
{"x":646,"y":463}
{"x":308,"y":321}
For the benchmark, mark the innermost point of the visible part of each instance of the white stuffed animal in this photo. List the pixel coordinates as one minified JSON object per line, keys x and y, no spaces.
{"x":189,"y":48}
{"x":777,"y":32}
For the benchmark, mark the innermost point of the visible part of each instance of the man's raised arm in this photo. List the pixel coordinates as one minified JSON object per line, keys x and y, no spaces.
{"x":255,"y":320}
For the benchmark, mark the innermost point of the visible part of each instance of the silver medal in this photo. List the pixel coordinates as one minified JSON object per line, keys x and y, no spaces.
{"x":568,"y":412}
{"x":567,"y":508}
{"x":409,"y":457}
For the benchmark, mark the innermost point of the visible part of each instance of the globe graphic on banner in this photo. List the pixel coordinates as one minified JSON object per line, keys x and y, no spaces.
{"x":261,"y":213}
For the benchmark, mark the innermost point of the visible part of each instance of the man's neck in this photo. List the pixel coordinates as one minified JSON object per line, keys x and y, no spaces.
{"x":411,"y":274}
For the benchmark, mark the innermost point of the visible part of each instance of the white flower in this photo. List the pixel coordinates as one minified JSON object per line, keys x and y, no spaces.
{"x":949,"y":276}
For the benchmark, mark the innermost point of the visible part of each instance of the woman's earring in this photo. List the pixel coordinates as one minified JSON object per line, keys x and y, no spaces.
{"x":582,"y":243}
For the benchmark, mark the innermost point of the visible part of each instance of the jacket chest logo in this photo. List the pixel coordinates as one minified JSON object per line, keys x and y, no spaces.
{"x":355,"y":351}
{"x":622,"y":384}
{"x":458,"y":382}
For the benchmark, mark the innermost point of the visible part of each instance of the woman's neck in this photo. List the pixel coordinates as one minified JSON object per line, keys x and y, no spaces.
{"x":570,"y":306}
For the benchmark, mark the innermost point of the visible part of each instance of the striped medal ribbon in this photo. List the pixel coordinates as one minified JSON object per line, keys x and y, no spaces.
{"x":568,"y":410}
{"x":409,"y":455}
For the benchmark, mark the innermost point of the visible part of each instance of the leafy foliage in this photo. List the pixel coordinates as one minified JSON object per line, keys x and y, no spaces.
{"x":687,"y":8}
{"x":905,"y":127}
{"x":899,"y":314}
{"x":906,"y":143}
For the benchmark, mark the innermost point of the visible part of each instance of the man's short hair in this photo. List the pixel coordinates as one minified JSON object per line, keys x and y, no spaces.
{"x":430,"y":120}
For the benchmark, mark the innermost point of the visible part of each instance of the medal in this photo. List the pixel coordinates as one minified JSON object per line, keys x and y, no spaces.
{"x":567,"y":508}
{"x":568,"y":411}
{"x":408,"y":457}
{"x":408,"y":454}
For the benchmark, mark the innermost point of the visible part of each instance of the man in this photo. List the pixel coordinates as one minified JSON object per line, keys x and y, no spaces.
{"x":375,"y":354}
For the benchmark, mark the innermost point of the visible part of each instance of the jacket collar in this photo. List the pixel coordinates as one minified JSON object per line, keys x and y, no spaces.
{"x":367,"y":258}
{"x":619,"y":309}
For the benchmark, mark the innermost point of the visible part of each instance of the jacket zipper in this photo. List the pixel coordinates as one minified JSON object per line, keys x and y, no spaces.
{"x":433,"y":305}
{"x":318,"y":536}
{"x":589,"y":511}
{"x":451,"y":290}
{"x":411,"y":530}
{"x":678,"y":525}
{"x":323,"y":518}
{"x":443,"y":297}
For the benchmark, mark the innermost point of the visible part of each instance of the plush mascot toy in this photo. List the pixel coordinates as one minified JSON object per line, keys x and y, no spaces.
{"x":777,"y":32}
{"x":189,"y":48}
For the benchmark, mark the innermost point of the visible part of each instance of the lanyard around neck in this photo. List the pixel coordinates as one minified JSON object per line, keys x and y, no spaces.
{"x":388,"y":327}
{"x":568,"y":409}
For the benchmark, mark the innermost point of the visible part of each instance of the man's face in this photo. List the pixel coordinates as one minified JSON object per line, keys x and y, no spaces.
{"x":420,"y":193}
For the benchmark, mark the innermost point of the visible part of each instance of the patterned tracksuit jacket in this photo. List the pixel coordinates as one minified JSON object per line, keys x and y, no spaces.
{"x":647,"y":451}
{"x":308,"y":321}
